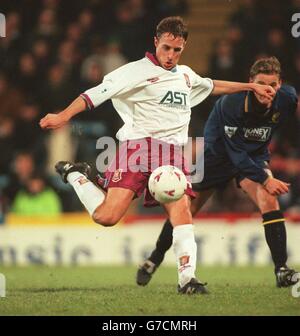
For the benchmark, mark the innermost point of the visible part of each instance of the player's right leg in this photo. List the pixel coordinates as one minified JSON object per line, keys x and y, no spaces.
{"x":184,"y":246}
{"x":217,"y":173}
{"x":106,"y":210}
{"x":164,"y":241}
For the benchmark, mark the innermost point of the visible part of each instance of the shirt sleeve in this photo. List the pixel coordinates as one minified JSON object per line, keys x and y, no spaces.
{"x":201,"y":89}
{"x":235,"y":147}
{"x":114,"y":84}
{"x":100,"y":93}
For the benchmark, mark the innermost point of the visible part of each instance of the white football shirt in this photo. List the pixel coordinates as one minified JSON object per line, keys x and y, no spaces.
{"x":152,"y":102}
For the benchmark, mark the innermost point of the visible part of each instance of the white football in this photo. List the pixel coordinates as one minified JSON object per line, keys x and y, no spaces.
{"x":167,"y":184}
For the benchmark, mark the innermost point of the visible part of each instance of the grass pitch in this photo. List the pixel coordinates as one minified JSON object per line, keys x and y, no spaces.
{"x":110,"y":291}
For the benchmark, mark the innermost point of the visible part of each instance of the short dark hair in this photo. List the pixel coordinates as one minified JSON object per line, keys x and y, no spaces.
{"x":173,"y":25}
{"x":266,"y":65}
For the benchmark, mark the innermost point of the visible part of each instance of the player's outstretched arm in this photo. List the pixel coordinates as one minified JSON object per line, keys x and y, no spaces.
{"x":225,"y":87}
{"x":54,"y":121}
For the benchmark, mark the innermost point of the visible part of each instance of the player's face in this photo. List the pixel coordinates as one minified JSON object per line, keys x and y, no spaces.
{"x":168,"y":50}
{"x":272,"y":80}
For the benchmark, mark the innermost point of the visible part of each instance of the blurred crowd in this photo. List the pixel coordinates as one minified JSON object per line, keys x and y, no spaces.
{"x":54,"y":50}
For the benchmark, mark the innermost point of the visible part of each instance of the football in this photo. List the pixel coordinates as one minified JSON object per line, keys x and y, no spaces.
{"x":167,"y":184}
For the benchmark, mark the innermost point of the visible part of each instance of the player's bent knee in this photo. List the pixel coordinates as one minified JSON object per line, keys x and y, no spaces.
{"x":105,"y":220}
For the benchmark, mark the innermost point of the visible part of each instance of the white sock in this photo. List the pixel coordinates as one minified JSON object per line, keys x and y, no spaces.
{"x":90,"y":196}
{"x":185,"y":250}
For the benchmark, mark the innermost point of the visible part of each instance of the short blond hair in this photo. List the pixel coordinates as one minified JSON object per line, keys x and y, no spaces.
{"x":266,"y":65}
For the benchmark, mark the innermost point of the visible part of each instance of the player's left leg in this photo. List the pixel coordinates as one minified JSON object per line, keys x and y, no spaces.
{"x":275,"y":232}
{"x":184,"y":245}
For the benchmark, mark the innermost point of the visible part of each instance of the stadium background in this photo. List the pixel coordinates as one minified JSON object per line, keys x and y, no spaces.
{"x":54,"y":50}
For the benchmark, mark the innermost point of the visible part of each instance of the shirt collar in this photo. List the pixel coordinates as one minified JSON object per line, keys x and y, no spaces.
{"x":248,"y":102}
{"x":154,"y":60}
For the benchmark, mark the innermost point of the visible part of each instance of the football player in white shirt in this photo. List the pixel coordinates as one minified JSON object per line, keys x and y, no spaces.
{"x":153,"y":96}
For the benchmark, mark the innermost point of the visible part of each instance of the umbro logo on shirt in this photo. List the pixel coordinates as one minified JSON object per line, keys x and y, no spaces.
{"x":153,"y":80}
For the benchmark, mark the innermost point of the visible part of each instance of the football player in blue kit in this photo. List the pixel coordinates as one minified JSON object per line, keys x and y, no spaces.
{"x":237,"y":134}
